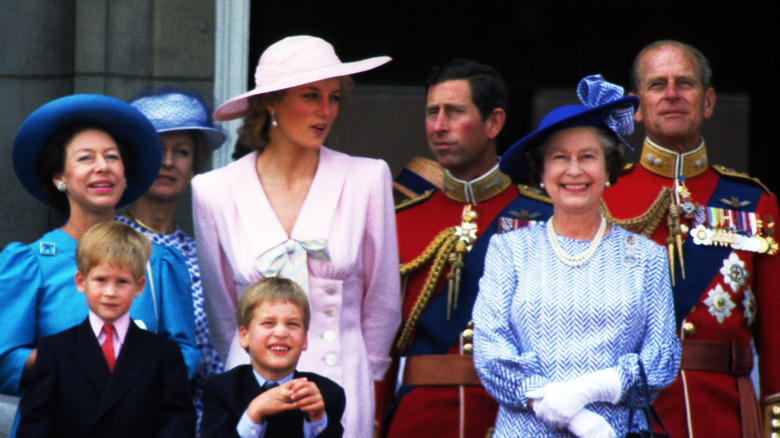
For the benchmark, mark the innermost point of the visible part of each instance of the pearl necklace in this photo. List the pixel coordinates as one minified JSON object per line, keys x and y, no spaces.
{"x":581,"y":258}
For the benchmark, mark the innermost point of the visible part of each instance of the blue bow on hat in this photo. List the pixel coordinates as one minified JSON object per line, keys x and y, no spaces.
{"x":604,"y":106}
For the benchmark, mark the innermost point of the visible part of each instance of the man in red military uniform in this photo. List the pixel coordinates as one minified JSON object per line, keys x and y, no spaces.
{"x":443,"y":236}
{"x":718,"y":227}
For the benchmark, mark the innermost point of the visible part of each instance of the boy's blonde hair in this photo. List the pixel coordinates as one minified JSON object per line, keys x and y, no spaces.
{"x":115,"y":243}
{"x":273,"y":289}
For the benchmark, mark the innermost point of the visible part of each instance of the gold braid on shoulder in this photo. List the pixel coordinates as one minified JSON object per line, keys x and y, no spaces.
{"x":647,"y":222}
{"x":439,"y":250}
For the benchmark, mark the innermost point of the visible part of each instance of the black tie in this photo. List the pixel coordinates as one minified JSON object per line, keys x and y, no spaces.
{"x":269,"y":385}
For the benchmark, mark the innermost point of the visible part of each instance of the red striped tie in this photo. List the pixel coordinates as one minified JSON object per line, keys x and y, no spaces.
{"x":108,"y":346}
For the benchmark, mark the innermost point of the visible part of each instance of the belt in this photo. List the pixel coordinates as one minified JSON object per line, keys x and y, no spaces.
{"x":440,"y":370}
{"x":732,"y":358}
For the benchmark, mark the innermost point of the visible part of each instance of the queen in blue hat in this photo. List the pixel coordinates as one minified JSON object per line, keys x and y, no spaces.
{"x":188,"y":137}
{"x":571,"y":310}
{"x":84,"y":155}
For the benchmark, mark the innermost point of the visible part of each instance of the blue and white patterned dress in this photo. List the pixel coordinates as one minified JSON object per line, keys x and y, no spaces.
{"x":538,"y":321}
{"x":210,"y":362}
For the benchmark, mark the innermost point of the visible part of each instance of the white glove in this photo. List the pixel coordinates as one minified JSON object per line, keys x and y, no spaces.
{"x":556,"y":403}
{"x":588,"y":424}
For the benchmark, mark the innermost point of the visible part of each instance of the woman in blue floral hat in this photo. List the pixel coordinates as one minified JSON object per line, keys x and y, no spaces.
{"x":568,"y":309}
{"x":188,"y":136}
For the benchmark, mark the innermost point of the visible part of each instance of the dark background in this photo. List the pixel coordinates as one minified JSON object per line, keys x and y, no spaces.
{"x":547,"y":44}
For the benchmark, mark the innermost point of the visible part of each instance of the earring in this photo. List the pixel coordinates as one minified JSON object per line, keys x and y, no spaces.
{"x":607,"y":183}
{"x":61,"y":186}
{"x":541,"y":185}
{"x":273,"y":119}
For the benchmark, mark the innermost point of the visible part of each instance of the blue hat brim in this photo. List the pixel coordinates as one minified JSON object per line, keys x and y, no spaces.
{"x":513,"y":162}
{"x":116,"y":117}
{"x":214,"y":137}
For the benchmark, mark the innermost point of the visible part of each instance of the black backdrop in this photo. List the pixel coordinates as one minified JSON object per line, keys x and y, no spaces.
{"x":547,"y":44}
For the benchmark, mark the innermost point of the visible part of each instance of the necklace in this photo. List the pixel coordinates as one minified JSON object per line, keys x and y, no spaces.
{"x":142,"y":224}
{"x":581,"y":258}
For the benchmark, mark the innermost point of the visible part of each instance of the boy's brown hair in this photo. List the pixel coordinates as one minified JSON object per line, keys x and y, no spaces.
{"x":115,"y":243}
{"x":273,"y":289}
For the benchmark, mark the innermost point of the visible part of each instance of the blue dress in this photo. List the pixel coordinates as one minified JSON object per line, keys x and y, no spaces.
{"x":40,"y":298}
{"x":210,"y":363}
{"x":538,"y":321}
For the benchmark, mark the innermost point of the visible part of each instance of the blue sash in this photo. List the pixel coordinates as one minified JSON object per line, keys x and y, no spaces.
{"x":435,"y":334}
{"x":703,"y":262}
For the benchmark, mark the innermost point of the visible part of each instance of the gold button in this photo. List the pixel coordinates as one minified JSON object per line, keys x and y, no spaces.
{"x":688,"y":329}
{"x":468,"y":349}
{"x":775,"y":411}
{"x":468,"y":335}
{"x":774,"y":424}
{"x":774,"y":435}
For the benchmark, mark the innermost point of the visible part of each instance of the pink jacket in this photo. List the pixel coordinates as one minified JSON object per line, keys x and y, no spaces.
{"x":355,"y":298}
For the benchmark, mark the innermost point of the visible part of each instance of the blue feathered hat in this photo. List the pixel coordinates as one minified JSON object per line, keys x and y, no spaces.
{"x":604,"y":106}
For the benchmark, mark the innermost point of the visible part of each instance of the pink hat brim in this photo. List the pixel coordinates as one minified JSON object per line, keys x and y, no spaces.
{"x":237,"y":106}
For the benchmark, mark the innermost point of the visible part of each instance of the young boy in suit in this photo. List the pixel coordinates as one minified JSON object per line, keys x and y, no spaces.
{"x":106,"y":377}
{"x":273,"y":316}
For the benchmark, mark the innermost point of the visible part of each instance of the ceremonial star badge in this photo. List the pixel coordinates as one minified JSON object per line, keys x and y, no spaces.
{"x":734,"y":272}
{"x":719,"y":303}
{"x":749,"y":302}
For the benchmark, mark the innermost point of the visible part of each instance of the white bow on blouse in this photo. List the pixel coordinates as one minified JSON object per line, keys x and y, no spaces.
{"x":288,"y":260}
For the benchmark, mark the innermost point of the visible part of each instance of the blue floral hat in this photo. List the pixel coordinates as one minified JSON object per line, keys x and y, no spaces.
{"x":604,"y":106}
{"x":118,"y":118}
{"x":176,"y":111}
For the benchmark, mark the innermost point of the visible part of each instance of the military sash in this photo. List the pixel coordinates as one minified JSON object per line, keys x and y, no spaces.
{"x":706,"y":260}
{"x":435,"y":334}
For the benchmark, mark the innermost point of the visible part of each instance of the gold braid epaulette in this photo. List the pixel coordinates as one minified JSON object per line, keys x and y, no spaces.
{"x":647,"y":222}
{"x":439,"y":250}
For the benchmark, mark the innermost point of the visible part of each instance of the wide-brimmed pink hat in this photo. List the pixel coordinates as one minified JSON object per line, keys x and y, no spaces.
{"x":293,"y":61}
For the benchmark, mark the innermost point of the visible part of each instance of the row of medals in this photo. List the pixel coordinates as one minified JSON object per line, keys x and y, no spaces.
{"x":724,"y":227}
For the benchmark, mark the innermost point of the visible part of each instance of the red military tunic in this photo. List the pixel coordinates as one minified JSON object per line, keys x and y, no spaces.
{"x":733,"y":294}
{"x":450,"y":410}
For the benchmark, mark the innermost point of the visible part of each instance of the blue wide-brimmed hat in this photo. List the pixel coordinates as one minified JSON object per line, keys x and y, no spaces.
{"x":604,"y":106}
{"x":176,"y":111}
{"x":116,"y":117}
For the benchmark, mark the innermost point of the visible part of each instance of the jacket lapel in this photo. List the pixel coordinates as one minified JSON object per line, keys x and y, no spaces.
{"x":318,"y":210}
{"x":129,"y":364}
{"x":89,"y":357}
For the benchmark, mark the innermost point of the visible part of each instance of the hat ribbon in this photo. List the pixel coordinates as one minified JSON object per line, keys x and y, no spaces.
{"x":594,"y":91}
{"x":289,"y":260}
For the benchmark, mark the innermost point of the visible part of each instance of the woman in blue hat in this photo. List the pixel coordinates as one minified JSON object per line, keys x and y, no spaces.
{"x":80,"y":154}
{"x":568,"y":309}
{"x":188,"y":137}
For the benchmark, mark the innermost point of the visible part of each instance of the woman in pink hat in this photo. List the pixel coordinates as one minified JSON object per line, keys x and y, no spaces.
{"x":297,"y":209}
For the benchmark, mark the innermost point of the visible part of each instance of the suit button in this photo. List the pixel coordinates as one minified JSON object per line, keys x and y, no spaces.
{"x":329,"y":336}
{"x":331,"y":359}
{"x":688,"y":329}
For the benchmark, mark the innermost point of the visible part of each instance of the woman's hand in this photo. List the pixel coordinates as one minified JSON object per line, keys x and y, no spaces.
{"x":556,"y":403}
{"x":588,"y":424}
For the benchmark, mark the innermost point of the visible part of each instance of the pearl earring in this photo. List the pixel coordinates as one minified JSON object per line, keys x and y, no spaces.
{"x":273,"y":119}
{"x":541,"y":184}
{"x":61,"y":186}
{"x":607,"y":183}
